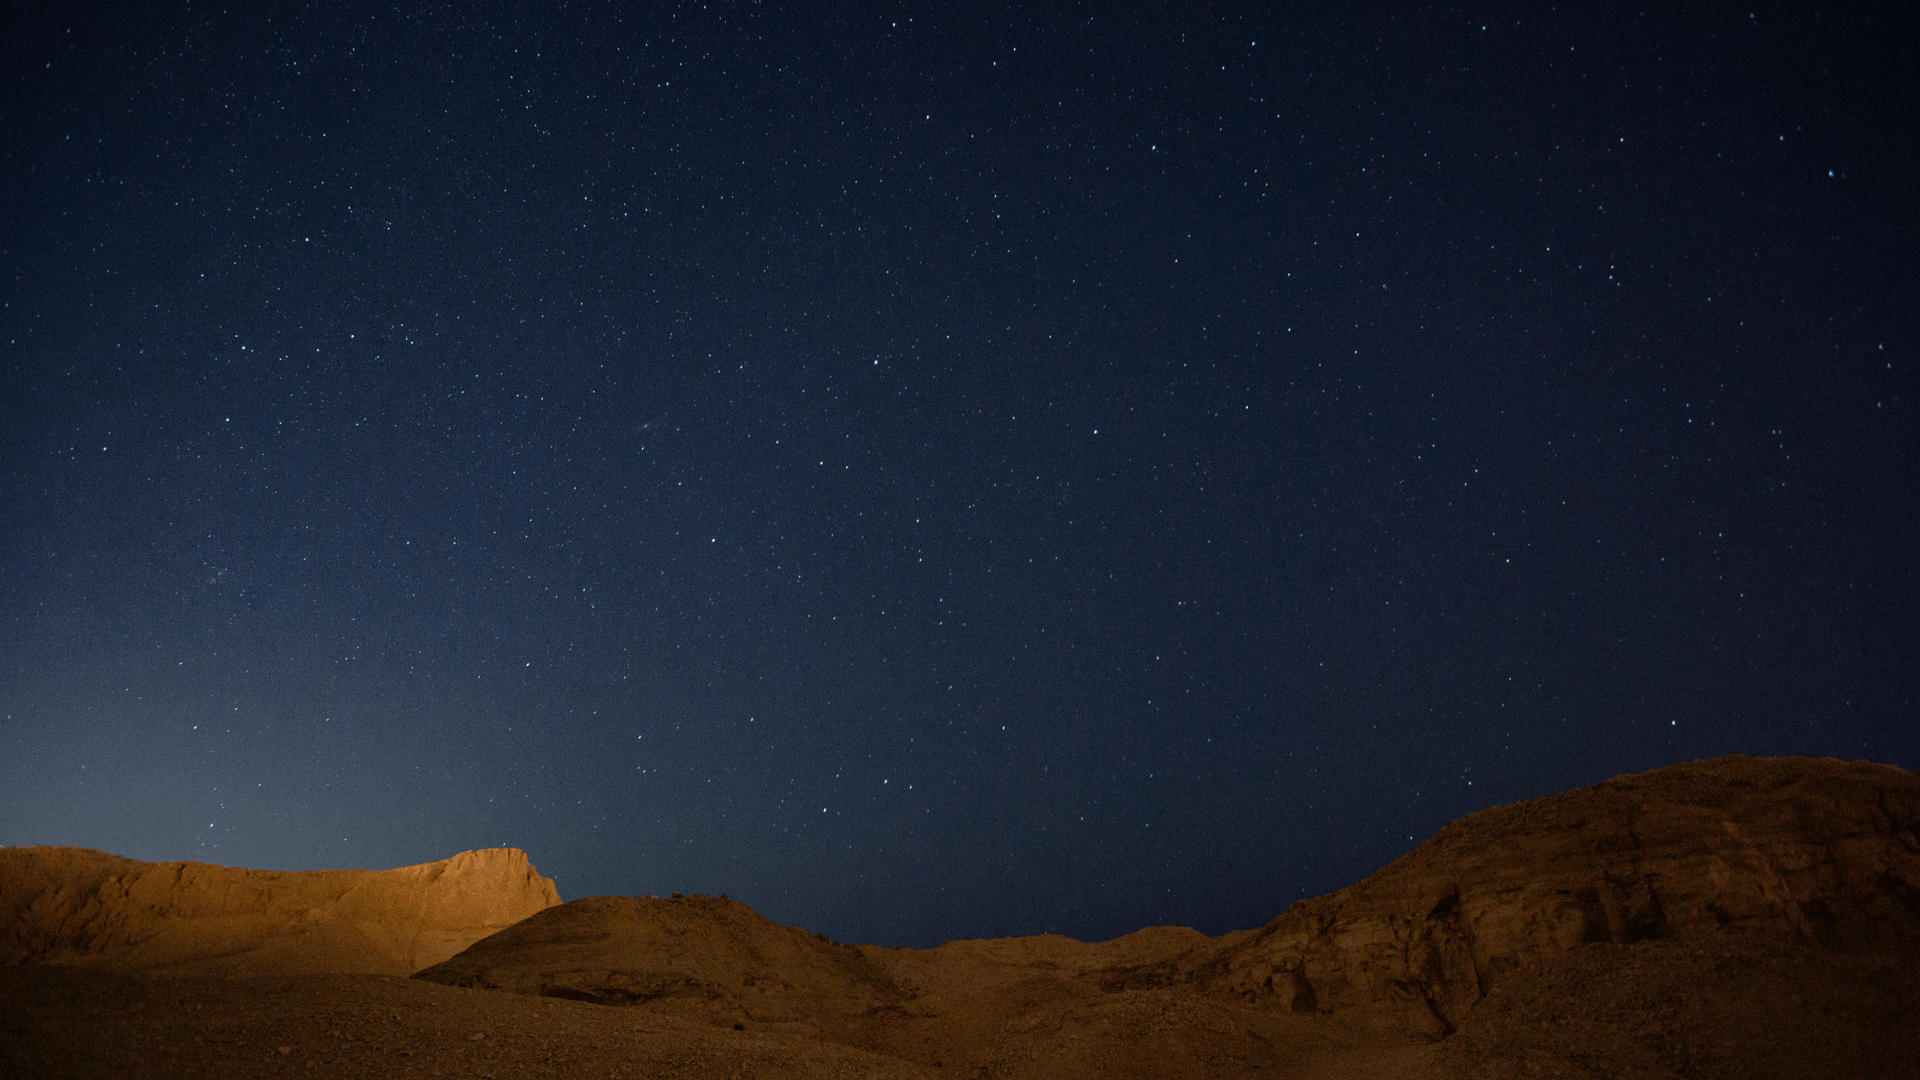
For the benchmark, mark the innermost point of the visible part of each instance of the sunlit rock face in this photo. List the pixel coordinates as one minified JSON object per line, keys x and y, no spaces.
{"x":1809,"y":850}
{"x":85,"y":908}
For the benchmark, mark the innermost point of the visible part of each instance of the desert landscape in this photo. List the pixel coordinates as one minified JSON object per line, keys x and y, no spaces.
{"x":1736,"y":917}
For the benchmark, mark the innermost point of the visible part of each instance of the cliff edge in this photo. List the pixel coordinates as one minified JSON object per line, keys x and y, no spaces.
{"x":78,"y":907}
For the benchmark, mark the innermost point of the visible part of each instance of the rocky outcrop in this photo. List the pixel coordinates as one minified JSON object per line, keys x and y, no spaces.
{"x":84,"y":908}
{"x":1687,"y":875}
{"x":1711,"y":921}
{"x":707,"y":956}
{"x":1633,"y":912}
{"x":1804,"y":850}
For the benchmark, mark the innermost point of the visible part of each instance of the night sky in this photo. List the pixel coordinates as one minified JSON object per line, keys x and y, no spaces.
{"x":931,"y":473}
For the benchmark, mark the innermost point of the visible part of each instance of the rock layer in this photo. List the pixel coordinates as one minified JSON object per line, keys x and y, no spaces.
{"x":1805,"y":850}
{"x":84,"y":908}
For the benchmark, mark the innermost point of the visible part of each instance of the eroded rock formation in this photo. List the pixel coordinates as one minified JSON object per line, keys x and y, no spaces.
{"x":1808,"y":850}
{"x":1807,"y":853}
{"x":1712,"y":921}
{"x":84,"y":908}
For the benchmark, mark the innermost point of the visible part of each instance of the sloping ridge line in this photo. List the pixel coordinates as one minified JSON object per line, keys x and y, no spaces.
{"x":84,"y":908}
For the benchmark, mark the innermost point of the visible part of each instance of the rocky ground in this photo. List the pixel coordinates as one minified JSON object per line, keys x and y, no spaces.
{"x":87,"y":1024}
{"x":1733,"y":1006}
{"x":1732,"y":1009}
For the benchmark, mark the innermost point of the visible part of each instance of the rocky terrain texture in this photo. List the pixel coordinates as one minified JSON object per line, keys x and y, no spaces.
{"x":1722,"y":919}
{"x":1717,"y":865}
{"x":1810,"y":851}
{"x":82,"y":908}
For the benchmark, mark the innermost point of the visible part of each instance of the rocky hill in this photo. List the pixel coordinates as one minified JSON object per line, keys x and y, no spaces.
{"x":1716,"y":920}
{"x":1779,"y":865}
{"x":83,"y":908}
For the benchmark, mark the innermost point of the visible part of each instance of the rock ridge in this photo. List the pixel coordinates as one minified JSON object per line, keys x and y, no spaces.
{"x":1716,"y":920}
{"x":1811,"y":856}
{"x":84,"y":908}
{"x":1816,"y":851}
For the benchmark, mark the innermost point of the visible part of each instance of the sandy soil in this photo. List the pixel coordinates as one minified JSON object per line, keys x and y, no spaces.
{"x":1729,"y":1009}
{"x":77,"y":1024}
{"x":83,"y":1025}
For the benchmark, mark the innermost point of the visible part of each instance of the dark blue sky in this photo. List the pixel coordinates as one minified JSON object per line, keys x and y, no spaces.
{"x":933,"y":474}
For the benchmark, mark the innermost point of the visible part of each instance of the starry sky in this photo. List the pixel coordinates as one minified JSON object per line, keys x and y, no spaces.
{"x":935,"y":472}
